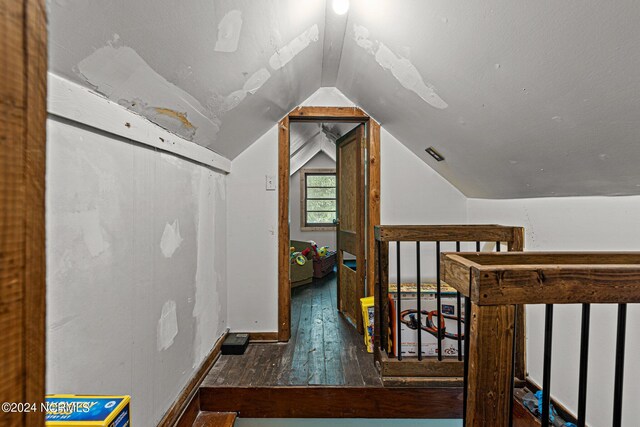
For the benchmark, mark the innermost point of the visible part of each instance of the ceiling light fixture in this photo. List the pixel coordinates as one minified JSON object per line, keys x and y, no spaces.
{"x":433,"y":153}
{"x":340,"y":6}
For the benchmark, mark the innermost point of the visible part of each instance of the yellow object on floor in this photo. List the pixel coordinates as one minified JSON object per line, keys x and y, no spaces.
{"x":368,"y":310}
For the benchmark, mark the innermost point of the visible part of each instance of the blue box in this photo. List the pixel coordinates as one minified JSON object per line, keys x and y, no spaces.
{"x":71,"y":410}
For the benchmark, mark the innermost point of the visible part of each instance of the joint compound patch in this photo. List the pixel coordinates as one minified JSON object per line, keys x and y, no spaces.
{"x":92,"y":232}
{"x":401,"y":68}
{"x":361,"y":36}
{"x":285,"y":54}
{"x":166,"y":118}
{"x":171,"y":239}
{"x":251,"y":86}
{"x":167,"y":325}
{"x":229,"y":32}
{"x":119,"y":73}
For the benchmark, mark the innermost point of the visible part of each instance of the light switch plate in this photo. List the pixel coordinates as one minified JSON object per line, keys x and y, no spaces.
{"x":270,"y":182}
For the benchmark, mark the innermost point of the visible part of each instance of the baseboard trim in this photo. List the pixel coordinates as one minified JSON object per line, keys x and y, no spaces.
{"x":181,"y":412}
{"x":262,"y":336}
{"x":188,"y":417}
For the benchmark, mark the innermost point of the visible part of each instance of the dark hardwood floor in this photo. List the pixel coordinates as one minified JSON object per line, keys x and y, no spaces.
{"x":324,"y":349}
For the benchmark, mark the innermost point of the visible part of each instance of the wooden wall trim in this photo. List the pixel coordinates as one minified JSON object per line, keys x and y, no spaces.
{"x":23,"y":59}
{"x":321,"y":114}
{"x":190,"y":413}
{"x":328,"y":114}
{"x":334,"y":402}
{"x":73,"y":102}
{"x":35,"y":303}
{"x":183,"y":405}
{"x":284,"y":284}
{"x":261,"y":336}
{"x":373,"y":200}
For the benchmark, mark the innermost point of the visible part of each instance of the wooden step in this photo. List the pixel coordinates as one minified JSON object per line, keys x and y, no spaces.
{"x":429,"y":366}
{"x":215,"y":419}
{"x":430,"y":382}
{"x":334,"y":402}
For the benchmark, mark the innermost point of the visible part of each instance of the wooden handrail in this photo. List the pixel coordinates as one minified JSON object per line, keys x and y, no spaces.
{"x":544,"y":277}
{"x":450,"y":233}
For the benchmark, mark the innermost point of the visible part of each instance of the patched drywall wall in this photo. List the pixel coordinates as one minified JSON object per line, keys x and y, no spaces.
{"x":577,"y":224}
{"x":136,"y":267}
{"x":411,"y":193}
{"x":252,"y":237}
{"x":252,"y":242}
{"x":322,"y":238}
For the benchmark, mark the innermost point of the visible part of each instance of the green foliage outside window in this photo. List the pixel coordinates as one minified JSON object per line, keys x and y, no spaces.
{"x":320,"y":199}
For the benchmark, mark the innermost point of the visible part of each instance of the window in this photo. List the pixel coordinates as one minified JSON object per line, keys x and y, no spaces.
{"x":318,"y":191}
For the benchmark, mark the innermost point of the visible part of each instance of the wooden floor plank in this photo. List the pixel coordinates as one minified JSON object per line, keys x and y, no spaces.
{"x":251,"y":369}
{"x":215,"y":371}
{"x":333,"y":362}
{"x":348,"y":353}
{"x":366,"y":366}
{"x":316,"y":357}
{"x":324,"y":349}
{"x":285,"y":362}
{"x":236,"y":367}
{"x":300,"y":363}
{"x":274,"y":354}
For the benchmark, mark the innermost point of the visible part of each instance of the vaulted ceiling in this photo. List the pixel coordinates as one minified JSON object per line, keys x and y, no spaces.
{"x":524,"y":99}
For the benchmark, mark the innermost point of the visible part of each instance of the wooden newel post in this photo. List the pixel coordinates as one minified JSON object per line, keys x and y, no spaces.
{"x":490,"y":367}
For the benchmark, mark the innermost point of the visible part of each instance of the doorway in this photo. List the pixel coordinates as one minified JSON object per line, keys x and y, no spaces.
{"x":354,"y":240}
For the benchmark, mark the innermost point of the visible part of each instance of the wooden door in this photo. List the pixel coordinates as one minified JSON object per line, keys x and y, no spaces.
{"x":351,"y":223}
{"x":23,"y":60}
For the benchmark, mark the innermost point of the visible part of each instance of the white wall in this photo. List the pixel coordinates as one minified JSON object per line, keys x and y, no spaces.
{"x":252,"y":242}
{"x":577,"y":224}
{"x":136,"y":267}
{"x":411,"y":193}
{"x":322,"y":238}
{"x":252,"y":269}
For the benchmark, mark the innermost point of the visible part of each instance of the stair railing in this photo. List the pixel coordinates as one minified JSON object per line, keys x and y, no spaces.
{"x":392,"y":360}
{"x":495,"y":284}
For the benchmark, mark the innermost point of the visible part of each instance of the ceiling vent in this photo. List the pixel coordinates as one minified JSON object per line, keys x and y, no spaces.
{"x":433,"y":153}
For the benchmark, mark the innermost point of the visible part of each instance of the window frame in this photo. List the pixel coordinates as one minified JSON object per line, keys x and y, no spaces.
{"x":304,"y":225}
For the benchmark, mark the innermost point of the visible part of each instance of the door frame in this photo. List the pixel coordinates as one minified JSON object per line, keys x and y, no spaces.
{"x":372,"y":142}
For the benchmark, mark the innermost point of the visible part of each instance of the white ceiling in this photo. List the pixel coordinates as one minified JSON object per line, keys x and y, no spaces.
{"x":233,"y":67}
{"x":524,"y":99}
{"x":308,"y":139}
